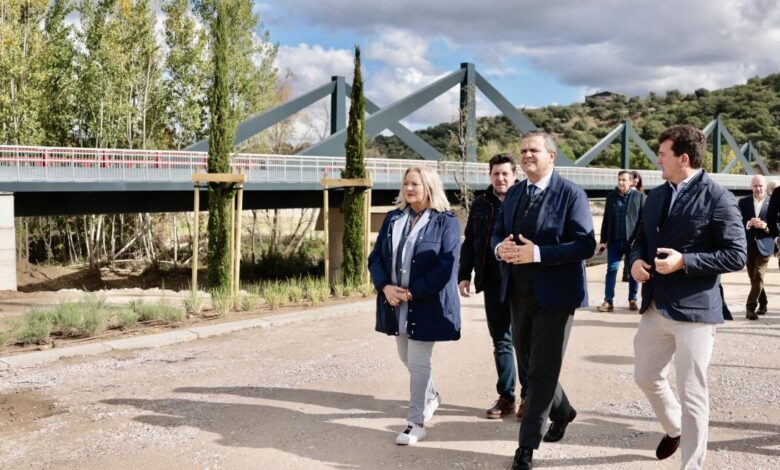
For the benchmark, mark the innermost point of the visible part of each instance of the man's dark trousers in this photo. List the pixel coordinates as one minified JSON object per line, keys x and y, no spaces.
{"x":499,"y":325}
{"x":540,"y":339}
{"x":756,"y":269}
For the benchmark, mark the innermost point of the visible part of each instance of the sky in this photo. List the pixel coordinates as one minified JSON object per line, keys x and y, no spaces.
{"x":535,"y":53}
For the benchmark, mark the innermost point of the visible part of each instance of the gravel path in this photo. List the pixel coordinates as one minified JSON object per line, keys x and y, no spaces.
{"x":332,"y":394}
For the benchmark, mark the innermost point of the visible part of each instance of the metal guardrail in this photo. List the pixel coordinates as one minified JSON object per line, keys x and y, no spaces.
{"x":84,"y":165}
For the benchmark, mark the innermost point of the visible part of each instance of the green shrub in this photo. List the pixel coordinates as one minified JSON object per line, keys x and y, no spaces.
{"x":35,"y":328}
{"x":294,"y":290}
{"x":366,"y":289}
{"x":220,"y":301}
{"x":275,"y":295}
{"x":94,"y":321}
{"x":193,"y":303}
{"x":87,"y":316}
{"x":339,"y":290}
{"x":125,"y":318}
{"x":248,"y":301}
{"x":68,"y":318}
{"x":307,"y":261}
{"x":316,"y":290}
{"x":161,"y":311}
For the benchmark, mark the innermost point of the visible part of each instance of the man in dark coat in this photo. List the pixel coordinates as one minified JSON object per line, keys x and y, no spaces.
{"x":543,"y":234}
{"x":476,"y":256}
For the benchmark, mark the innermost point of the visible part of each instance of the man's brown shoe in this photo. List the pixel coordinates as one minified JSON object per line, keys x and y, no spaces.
{"x":667,"y":447}
{"x":633,"y":306}
{"x":606,"y":307}
{"x":520,"y":409}
{"x":502,"y":407}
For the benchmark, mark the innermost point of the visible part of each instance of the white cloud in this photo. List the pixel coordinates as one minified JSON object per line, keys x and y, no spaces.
{"x":313,"y":65}
{"x":630,"y":47}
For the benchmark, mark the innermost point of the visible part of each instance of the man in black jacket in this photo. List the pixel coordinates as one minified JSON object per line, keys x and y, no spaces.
{"x":476,"y":255}
{"x":621,"y":213}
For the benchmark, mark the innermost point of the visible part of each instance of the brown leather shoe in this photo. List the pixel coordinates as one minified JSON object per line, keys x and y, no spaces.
{"x":633,"y":306}
{"x":606,"y":307}
{"x":502,"y":407}
{"x":520,"y":409}
{"x":667,"y":447}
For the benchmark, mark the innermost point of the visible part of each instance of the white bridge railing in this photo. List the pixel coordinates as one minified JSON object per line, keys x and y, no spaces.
{"x":85,"y":165}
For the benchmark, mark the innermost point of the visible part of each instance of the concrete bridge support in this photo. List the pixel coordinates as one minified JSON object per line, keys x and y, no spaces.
{"x":7,"y":243}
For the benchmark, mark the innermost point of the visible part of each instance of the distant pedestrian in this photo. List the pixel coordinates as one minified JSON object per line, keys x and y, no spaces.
{"x":621,"y":214}
{"x":636,"y":180}
{"x":760,"y":245}
{"x":414,"y":269}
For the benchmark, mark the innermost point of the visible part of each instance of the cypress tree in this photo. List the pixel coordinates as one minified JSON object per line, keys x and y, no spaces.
{"x":353,"y":265}
{"x":221,"y":136}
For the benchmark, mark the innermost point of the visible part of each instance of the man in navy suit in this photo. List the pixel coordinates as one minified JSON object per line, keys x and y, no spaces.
{"x":690,"y":233}
{"x":542,"y":234}
{"x":760,"y":245}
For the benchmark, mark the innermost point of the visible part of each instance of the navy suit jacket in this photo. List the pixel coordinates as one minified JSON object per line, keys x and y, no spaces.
{"x":762,"y":238}
{"x":706,"y":227}
{"x":564,"y":234}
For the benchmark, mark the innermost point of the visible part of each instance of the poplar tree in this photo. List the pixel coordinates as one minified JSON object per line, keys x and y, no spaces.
{"x":353,"y":206}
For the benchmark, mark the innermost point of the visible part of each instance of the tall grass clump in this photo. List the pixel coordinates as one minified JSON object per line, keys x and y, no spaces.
{"x":316,"y":290}
{"x":35,"y":327}
{"x":294,"y":289}
{"x":275,"y":295}
{"x":125,"y":318}
{"x":161,"y":311}
{"x":193,"y":303}
{"x":221,"y":301}
{"x":86,"y":317}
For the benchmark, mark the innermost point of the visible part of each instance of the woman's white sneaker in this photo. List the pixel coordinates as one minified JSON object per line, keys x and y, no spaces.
{"x":411,"y":435}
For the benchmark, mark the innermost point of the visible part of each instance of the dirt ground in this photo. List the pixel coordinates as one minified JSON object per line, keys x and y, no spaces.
{"x":333,"y":394}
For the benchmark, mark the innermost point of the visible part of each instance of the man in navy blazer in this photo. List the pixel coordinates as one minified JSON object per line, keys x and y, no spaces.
{"x":690,"y":233}
{"x":760,"y":245}
{"x":542,"y":234}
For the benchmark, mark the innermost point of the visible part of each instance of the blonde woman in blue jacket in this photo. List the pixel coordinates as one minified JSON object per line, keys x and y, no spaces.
{"x":414,"y":268}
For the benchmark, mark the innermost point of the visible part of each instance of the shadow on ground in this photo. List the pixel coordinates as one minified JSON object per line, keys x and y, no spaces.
{"x":325,"y":437}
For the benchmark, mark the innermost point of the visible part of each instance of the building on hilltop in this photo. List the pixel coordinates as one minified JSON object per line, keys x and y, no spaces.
{"x":604,"y":96}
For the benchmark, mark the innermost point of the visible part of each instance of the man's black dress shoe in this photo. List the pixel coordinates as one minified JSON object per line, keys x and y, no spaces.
{"x":523,"y":459}
{"x":667,"y":447}
{"x":558,"y":428}
{"x":761,"y":310}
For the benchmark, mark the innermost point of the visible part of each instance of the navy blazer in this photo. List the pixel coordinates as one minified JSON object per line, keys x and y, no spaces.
{"x":564,"y":234}
{"x":705,"y":226}
{"x":762,"y":238}
{"x":434,"y":311}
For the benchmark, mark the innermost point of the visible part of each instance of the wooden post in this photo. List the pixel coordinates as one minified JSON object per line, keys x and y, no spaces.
{"x":326,"y":227}
{"x":195,"y":242}
{"x":237,"y":267}
{"x":368,"y":229}
{"x":232,"y":248}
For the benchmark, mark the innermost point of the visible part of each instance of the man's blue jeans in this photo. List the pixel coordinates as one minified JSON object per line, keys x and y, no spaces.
{"x":616,"y":250}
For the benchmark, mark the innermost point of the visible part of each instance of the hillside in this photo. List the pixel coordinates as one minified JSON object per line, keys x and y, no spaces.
{"x":750,"y":112}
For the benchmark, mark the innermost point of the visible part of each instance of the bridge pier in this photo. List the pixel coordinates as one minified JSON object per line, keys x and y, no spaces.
{"x":7,"y":243}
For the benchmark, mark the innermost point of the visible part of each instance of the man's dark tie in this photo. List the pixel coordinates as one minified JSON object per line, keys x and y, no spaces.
{"x":533,"y":190}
